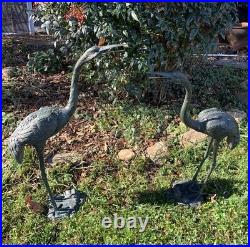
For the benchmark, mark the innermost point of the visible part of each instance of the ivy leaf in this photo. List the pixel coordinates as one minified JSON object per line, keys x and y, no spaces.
{"x":55,"y":23}
{"x":134,"y":16}
{"x":189,"y":20}
{"x":84,"y":30}
{"x":193,"y":33}
{"x":46,"y":25}
{"x":125,"y":32}
{"x":222,"y":35}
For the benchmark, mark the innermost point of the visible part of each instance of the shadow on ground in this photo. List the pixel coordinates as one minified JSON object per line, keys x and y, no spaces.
{"x":223,"y":188}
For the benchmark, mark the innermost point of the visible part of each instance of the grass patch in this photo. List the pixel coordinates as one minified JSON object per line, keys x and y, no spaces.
{"x":134,"y":189}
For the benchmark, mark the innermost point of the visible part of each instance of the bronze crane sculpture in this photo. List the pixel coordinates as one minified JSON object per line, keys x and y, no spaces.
{"x":37,"y":127}
{"x":213,"y":122}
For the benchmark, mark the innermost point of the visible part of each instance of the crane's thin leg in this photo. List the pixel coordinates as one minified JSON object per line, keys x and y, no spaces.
{"x":210,"y":140}
{"x":215,"y":150}
{"x":44,"y":176}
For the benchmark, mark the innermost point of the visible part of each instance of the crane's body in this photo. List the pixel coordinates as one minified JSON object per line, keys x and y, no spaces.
{"x":218,"y":125}
{"x":214,"y":122}
{"x":37,"y":127}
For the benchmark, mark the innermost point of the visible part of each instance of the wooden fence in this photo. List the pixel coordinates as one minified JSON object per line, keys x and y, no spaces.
{"x":16,"y":18}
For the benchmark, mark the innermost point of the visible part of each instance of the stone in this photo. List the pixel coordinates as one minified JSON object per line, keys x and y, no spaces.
{"x":126,"y":154}
{"x":237,"y":114}
{"x":192,"y":137}
{"x":244,"y":24}
{"x":71,"y":157}
{"x":8,"y":73}
{"x":157,"y":151}
{"x":238,"y":37}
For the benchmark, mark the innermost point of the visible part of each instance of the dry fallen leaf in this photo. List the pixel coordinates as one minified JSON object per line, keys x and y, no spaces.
{"x":105,"y":147}
{"x":35,"y":207}
{"x":213,"y":198}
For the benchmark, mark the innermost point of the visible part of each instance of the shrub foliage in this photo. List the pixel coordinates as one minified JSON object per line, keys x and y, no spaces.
{"x":161,"y":36}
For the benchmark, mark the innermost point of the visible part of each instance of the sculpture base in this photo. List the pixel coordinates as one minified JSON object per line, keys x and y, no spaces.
{"x":67,"y":204}
{"x":187,"y":193}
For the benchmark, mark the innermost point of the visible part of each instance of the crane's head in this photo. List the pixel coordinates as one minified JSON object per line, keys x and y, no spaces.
{"x":16,"y":149}
{"x":177,"y":77}
{"x":95,"y":51}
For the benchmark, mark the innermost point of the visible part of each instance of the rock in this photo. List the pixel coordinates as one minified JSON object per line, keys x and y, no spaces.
{"x":66,"y":158}
{"x":126,"y":154}
{"x":8,"y":73}
{"x":157,"y":151}
{"x":238,"y":37}
{"x":237,"y":114}
{"x":192,"y":137}
{"x":5,"y":74}
{"x":244,"y":24}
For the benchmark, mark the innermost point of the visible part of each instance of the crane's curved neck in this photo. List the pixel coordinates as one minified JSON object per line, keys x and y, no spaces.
{"x":185,"y":112}
{"x":73,"y":97}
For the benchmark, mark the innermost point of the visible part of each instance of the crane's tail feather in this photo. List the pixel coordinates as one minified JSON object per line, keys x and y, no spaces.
{"x":233,"y":141}
{"x":17,"y":150}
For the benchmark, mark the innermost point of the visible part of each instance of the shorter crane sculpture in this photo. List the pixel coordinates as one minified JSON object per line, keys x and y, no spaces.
{"x":40,"y":125}
{"x":213,"y":122}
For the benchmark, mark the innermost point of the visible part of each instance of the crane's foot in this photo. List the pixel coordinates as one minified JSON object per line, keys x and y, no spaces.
{"x":187,"y":192}
{"x":67,"y":204}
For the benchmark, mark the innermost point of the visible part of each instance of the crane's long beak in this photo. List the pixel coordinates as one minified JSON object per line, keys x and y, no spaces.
{"x":109,"y":47}
{"x":156,"y":75}
{"x":174,"y":75}
{"x":95,"y":51}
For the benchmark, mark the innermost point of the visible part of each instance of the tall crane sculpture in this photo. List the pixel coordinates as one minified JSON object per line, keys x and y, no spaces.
{"x":37,"y":127}
{"x":213,"y":122}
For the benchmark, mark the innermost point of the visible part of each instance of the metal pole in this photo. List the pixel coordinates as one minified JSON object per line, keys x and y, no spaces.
{"x":30,"y":20}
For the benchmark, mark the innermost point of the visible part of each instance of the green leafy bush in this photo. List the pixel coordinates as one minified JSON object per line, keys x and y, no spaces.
{"x":161,"y":36}
{"x":44,"y":62}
